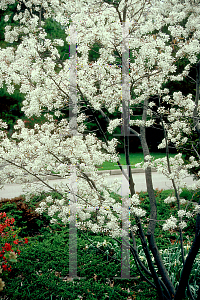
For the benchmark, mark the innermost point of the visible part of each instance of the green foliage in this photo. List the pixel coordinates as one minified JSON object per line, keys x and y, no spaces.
{"x":55,"y":31}
{"x":172,"y":259}
{"x":25,"y":218}
{"x":94,"y":52}
{"x":187,"y":194}
{"x":188,"y":151}
{"x":10,"y":11}
{"x":11,"y":210}
{"x":30,"y":122}
{"x":43,"y":267}
{"x":163,"y":213}
{"x":10,"y":106}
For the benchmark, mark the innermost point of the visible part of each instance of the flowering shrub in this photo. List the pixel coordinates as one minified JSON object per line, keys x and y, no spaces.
{"x":9,"y":245}
{"x":149,"y":39}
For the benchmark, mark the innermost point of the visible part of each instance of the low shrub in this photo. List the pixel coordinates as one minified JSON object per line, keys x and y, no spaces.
{"x":42,"y":270}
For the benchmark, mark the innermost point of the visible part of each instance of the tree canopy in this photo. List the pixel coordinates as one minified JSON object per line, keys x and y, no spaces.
{"x":144,"y":50}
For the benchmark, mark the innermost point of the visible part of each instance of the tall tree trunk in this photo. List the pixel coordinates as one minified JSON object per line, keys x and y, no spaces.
{"x":195,"y":113}
{"x":153,"y":210}
{"x":180,"y":293}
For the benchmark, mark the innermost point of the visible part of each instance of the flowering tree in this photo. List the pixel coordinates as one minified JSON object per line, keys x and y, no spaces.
{"x":149,"y":38}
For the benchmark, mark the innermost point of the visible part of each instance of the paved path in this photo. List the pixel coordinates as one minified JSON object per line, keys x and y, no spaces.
{"x":159,"y":181}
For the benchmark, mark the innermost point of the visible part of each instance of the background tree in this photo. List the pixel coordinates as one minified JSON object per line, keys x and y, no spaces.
{"x":36,"y":65}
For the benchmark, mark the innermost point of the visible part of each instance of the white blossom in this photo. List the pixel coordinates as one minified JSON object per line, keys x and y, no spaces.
{"x":34,"y":65}
{"x":171,"y":223}
{"x":182,"y":224}
{"x":181,"y":213}
{"x":197,"y":209}
{"x":6,"y":18}
{"x":113,"y":124}
{"x":182,"y":201}
{"x":170,"y":199}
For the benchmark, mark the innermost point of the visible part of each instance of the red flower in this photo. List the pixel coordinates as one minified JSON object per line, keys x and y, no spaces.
{"x":16,"y":242}
{"x":7,"y":246}
{"x":26,"y":241}
{"x":2,"y":215}
{"x":4,"y":267}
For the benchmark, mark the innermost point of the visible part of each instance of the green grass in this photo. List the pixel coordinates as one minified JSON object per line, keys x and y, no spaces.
{"x":134,"y":159}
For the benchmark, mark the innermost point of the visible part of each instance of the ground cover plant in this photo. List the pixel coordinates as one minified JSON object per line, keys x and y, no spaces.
{"x":144,"y":51}
{"x":42,"y":269}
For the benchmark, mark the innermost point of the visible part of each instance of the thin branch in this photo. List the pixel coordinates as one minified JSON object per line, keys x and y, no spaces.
{"x":119,"y":14}
{"x":23,"y":168}
{"x":195,"y":151}
{"x":146,"y":75}
{"x":191,"y":78}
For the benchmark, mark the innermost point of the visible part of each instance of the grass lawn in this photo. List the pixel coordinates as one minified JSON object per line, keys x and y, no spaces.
{"x":134,"y":159}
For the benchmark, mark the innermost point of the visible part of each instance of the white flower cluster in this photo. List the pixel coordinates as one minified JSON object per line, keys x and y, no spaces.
{"x":139,"y":123}
{"x":134,"y":208}
{"x":197,"y":209}
{"x":171,"y":223}
{"x":148,"y":162}
{"x":181,"y":213}
{"x":4,"y":3}
{"x":178,"y":118}
{"x":3,"y":124}
{"x":169,"y":200}
{"x":113,"y":124}
{"x":44,"y":78}
{"x":178,"y":169}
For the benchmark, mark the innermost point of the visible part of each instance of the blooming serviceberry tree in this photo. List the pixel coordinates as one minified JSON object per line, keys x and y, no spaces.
{"x":149,"y":38}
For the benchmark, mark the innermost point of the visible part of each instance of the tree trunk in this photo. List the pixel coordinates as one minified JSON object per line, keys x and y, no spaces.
{"x":153,"y":210}
{"x":180,"y":293}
